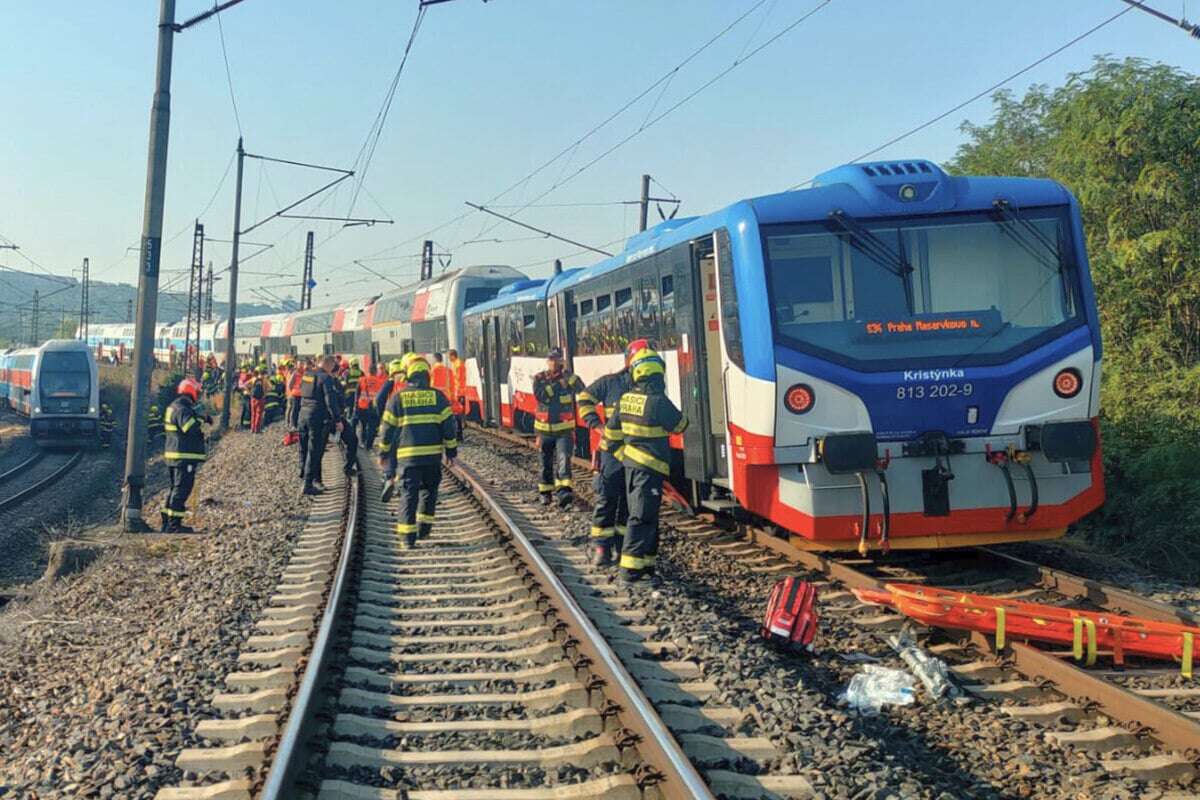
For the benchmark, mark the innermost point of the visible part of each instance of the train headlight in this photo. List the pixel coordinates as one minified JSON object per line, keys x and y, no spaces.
{"x":37,"y":410}
{"x":92,"y":410}
{"x":799,"y":398}
{"x":1068,"y":383}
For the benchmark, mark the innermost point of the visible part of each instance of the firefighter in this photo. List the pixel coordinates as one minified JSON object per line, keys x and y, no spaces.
{"x":183,"y":451}
{"x":320,"y":408}
{"x":108,"y":424}
{"x":258,"y":390}
{"x":439,"y":377}
{"x":274,"y":406}
{"x":345,"y":431}
{"x":554,"y":422}
{"x":458,"y":388}
{"x":611,"y":511}
{"x":369,"y":385}
{"x":394,"y":383}
{"x":418,"y":427}
{"x":349,"y":381}
{"x":154,"y":423}
{"x":295,"y":373}
{"x":640,"y":425}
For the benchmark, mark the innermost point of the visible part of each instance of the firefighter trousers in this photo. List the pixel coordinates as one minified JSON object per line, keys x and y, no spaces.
{"x":366,"y":423}
{"x":312,"y":449}
{"x":418,"y":492}
{"x":556,"y":464}
{"x":611,"y":512}
{"x":183,"y":478}
{"x":644,"y":492}
{"x":350,"y":442}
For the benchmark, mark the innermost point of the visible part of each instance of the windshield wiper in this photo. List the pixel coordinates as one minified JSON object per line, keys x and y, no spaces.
{"x":1005,"y":209}
{"x":878,"y":250}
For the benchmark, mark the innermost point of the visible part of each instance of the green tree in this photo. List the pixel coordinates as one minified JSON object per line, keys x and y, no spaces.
{"x":1124,"y":137}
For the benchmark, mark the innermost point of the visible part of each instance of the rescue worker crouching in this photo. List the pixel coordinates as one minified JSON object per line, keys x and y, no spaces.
{"x":640,"y":426}
{"x":611,"y":511}
{"x":418,"y":427}
{"x":183,"y":451}
{"x":554,"y":421}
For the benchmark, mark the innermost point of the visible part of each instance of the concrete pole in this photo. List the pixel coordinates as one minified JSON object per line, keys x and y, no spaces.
{"x":147,"y":305}
{"x":231,"y":329}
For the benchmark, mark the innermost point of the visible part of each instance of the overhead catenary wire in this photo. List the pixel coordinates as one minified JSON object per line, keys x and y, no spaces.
{"x":228,"y":73}
{"x":997,"y":85}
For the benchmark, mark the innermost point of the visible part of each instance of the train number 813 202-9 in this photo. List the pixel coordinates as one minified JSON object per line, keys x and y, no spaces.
{"x":934,"y":391}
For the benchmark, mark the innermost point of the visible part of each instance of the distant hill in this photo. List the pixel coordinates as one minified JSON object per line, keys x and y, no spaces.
{"x":58,"y":303}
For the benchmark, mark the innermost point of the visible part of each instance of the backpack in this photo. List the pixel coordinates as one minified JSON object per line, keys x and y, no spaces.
{"x":791,"y":616}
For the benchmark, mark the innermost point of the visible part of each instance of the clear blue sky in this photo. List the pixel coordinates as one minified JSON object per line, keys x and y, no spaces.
{"x":490,"y":92}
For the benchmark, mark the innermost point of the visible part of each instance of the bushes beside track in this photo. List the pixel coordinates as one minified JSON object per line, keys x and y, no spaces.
{"x":1123,"y":137}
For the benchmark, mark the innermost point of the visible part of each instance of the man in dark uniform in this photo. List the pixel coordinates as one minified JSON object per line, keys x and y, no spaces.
{"x":154,"y":423}
{"x":418,"y":426}
{"x":611,"y":511}
{"x":320,"y":407}
{"x":554,"y":422}
{"x":345,"y":431}
{"x":183,"y":451}
{"x":641,"y":424}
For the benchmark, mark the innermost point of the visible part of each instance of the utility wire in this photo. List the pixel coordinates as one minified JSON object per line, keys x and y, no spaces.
{"x":381,"y":117}
{"x":901,"y":137}
{"x":228,"y":73}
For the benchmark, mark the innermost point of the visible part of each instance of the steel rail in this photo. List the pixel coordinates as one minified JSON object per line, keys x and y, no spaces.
{"x":24,"y":465}
{"x":33,"y":489}
{"x":288,"y":764}
{"x":1163,"y":723}
{"x":681,"y":780}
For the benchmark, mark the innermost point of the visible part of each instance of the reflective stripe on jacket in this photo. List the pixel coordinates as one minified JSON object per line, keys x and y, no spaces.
{"x":555,"y":395}
{"x":637,"y":431}
{"x":605,"y":391}
{"x":417,"y":425}
{"x":184,"y":433}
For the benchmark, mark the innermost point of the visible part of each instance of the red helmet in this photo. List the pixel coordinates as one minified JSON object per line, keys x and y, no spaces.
{"x":190,"y":387}
{"x":634,"y":348}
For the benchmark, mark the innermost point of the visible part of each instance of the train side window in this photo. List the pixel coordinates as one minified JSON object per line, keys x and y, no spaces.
{"x":515,"y":331}
{"x":648,"y":310}
{"x":602,"y":332}
{"x":730,"y":318}
{"x":667,"y":335}
{"x":625,"y":322}
{"x":583,"y":327}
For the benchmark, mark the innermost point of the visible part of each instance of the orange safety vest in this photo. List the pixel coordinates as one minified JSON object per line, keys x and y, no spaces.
{"x":293,"y":382}
{"x":458,"y":384}
{"x":369,"y":386}
{"x":439,"y":378}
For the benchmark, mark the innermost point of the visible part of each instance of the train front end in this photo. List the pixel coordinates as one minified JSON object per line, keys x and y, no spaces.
{"x":933,"y":353}
{"x":65,"y":395}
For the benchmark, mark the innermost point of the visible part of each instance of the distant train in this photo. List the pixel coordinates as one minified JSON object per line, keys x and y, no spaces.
{"x":57,"y":388}
{"x":892,"y":358}
{"x":425,"y":316}
{"x":895,"y":357}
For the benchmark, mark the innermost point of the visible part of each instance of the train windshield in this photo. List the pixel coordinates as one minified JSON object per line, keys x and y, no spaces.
{"x":959,"y":290}
{"x":65,"y":374}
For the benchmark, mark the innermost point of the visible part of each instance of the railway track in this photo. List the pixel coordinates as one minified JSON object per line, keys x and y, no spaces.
{"x":1141,"y":719}
{"x":42,"y":468}
{"x":485,"y":663}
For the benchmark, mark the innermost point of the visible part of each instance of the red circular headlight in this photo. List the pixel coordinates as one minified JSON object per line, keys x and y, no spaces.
{"x":799,"y":399}
{"x":1067,"y":383}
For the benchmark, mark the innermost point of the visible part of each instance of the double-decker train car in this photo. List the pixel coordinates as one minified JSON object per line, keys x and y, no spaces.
{"x":894,"y":357}
{"x":424,"y":317}
{"x":56,"y":387}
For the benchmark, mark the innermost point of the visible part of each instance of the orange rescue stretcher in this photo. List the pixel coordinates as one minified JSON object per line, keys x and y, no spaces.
{"x":1086,"y":631}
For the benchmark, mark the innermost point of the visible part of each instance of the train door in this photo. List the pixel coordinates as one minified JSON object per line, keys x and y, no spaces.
{"x":489,"y":368}
{"x":703,"y":394}
{"x":561,"y":312}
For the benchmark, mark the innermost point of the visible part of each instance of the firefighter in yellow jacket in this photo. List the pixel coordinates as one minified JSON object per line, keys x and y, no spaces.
{"x":418,"y":427}
{"x":642,"y":423}
{"x":183,"y":451}
{"x":554,"y":421}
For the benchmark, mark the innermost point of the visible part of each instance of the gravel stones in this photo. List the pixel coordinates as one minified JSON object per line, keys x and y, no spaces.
{"x":104,"y":675}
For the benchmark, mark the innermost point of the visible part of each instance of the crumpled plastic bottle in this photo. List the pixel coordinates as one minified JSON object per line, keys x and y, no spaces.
{"x":875,"y":686}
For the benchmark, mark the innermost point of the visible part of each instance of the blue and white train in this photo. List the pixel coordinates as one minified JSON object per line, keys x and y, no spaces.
{"x":894,"y":357}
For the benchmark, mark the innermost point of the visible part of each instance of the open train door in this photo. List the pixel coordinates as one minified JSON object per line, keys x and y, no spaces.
{"x":489,"y":371}
{"x":702,"y":395}
{"x":561,"y":313}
